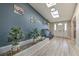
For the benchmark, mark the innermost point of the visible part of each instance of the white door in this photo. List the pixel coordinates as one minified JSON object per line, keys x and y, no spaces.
{"x":60,"y":30}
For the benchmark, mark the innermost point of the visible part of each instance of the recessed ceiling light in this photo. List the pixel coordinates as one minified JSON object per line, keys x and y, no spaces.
{"x":50,"y":4}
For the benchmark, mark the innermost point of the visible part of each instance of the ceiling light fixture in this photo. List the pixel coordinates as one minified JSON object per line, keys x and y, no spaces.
{"x":53,"y":9}
{"x":55,"y":14}
{"x":50,"y":4}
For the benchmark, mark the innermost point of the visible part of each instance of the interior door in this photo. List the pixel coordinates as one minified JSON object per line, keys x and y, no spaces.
{"x":60,"y":29}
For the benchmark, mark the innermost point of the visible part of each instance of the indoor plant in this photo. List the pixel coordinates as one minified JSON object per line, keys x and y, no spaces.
{"x":34,"y":34}
{"x":14,"y":36}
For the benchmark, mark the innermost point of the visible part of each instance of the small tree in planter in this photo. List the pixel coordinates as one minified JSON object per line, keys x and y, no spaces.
{"x":39,"y":36}
{"x":42,"y":34}
{"x":34,"y":34}
{"x":15,"y":35}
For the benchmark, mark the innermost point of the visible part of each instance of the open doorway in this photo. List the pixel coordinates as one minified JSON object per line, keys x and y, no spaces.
{"x":74,"y":27}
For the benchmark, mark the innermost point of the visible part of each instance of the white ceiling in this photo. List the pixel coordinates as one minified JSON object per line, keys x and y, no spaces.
{"x":65,"y":10}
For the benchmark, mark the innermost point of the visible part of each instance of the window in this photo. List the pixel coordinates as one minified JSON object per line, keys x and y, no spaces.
{"x":65,"y":26}
{"x":60,"y":24}
{"x":50,"y":4}
{"x":55,"y":27}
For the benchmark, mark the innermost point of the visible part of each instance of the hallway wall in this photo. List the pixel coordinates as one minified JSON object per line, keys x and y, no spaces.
{"x":76,"y":14}
{"x":8,"y":19}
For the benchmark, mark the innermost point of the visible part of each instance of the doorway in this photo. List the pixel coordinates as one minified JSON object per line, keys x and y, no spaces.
{"x":74,"y":28}
{"x":61,"y":29}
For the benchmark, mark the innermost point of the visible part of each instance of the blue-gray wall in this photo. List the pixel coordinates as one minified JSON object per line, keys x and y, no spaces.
{"x":8,"y":19}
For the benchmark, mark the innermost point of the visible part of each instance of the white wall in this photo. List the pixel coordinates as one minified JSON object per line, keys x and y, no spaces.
{"x":77,"y":25}
{"x":76,"y":14}
{"x":77,"y":30}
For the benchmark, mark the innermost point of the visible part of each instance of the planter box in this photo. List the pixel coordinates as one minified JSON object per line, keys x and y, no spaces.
{"x":8,"y":47}
{"x":15,"y":48}
{"x":33,"y":49}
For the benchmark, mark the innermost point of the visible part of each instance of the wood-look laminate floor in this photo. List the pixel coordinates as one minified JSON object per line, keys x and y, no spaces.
{"x":58,"y":47}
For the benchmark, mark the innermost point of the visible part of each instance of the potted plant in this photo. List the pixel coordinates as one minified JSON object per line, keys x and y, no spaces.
{"x":43,"y":34}
{"x":39,"y":38}
{"x":34,"y":34}
{"x":14,"y":36}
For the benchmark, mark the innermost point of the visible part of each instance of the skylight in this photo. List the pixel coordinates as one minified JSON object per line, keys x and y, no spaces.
{"x":55,"y":14}
{"x":53,"y":9}
{"x":50,"y":4}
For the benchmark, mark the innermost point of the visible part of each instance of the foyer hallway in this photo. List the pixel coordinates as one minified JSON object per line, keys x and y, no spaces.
{"x":58,"y":47}
{"x":37,"y":23}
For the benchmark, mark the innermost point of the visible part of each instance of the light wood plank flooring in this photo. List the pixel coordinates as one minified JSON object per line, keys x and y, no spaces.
{"x":58,"y":47}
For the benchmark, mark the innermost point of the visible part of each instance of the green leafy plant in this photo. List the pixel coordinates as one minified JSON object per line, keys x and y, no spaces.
{"x":34,"y":34}
{"x":15,"y":35}
{"x":42,"y":33}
